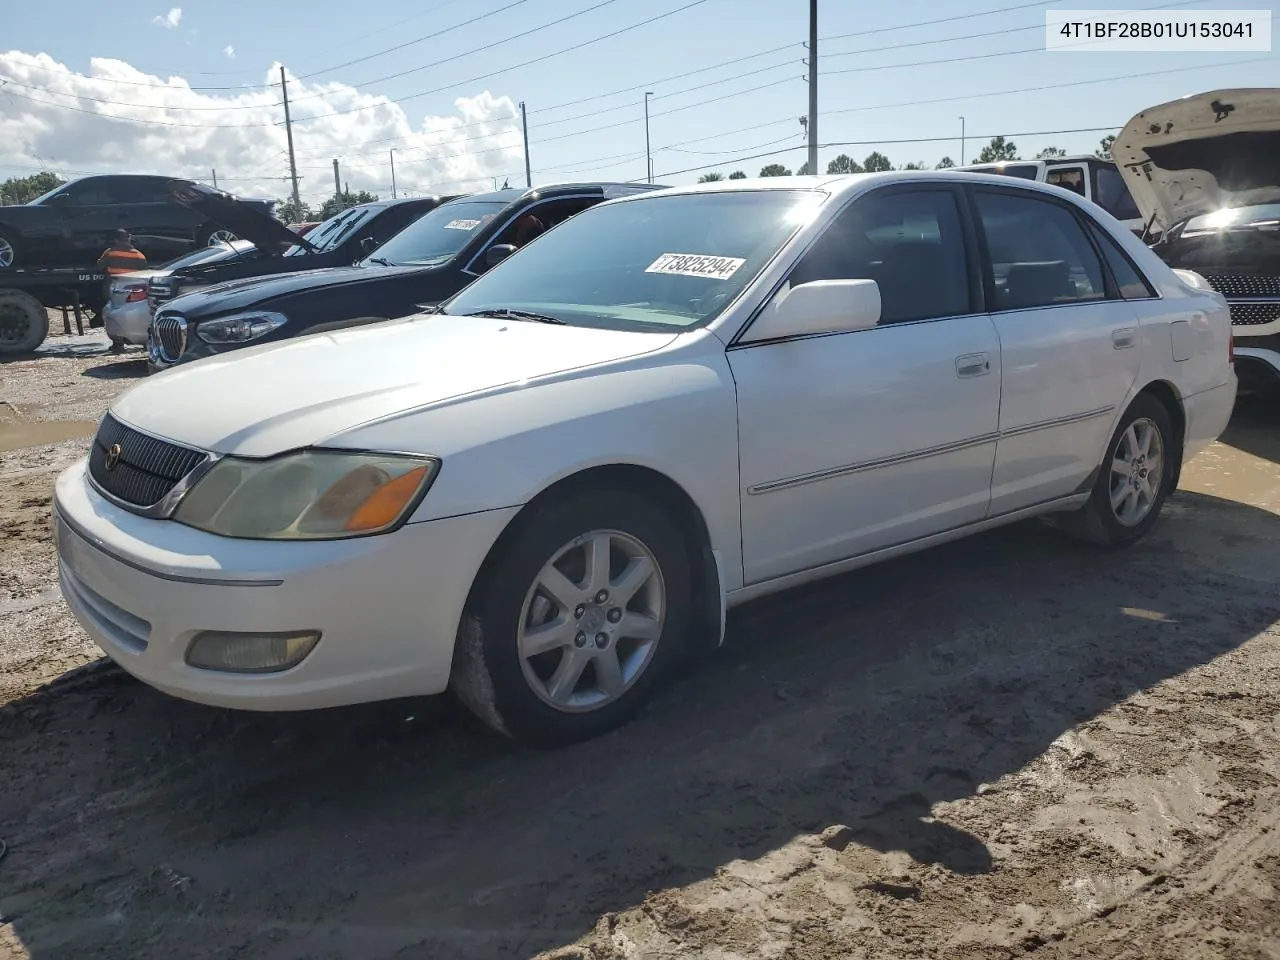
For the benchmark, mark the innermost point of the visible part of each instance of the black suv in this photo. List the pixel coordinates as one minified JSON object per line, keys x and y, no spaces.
{"x":427,"y":262}
{"x":71,"y":225}
{"x":340,"y":241}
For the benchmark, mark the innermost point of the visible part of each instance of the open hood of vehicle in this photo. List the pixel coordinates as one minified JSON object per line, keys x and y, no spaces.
{"x":1201,"y":154}
{"x":263,"y":230}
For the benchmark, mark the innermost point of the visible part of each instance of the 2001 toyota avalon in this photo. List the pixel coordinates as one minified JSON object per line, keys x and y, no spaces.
{"x":669,"y":404}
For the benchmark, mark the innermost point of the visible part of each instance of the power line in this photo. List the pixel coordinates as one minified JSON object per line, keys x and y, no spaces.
{"x":517,"y":66}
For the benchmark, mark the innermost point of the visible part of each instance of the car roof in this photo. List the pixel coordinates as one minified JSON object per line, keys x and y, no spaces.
{"x":839,"y":184}
{"x":607,"y":189}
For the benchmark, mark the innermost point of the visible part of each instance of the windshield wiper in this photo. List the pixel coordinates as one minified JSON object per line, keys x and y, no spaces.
{"x":504,"y":313}
{"x":381,"y":261}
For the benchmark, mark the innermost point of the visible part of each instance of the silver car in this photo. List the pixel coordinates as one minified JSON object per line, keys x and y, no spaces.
{"x":128,"y":314}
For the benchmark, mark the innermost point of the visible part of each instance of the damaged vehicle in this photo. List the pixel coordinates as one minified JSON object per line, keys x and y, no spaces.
{"x":340,"y":241}
{"x":1205,"y":172}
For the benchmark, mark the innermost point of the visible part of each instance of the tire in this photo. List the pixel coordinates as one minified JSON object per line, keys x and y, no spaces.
{"x":24,"y":323}
{"x":1098,"y":521}
{"x":517,"y":692}
{"x":10,"y":249}
{"x":211,"y":236}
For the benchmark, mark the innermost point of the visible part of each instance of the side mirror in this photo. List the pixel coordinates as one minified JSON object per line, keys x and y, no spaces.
{"x":368,"y":245}
{"x":497,"y":253}
{"x":822,"y":306}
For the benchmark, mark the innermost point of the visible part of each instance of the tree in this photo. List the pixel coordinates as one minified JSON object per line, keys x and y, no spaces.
{"x":289,"y":213}
{"x":804,"y":170}
{"x":775,"y":170}
{"x":916,"y":165}
{"x":1104,"y":147}
{"x":17,"y":190}
{"x":1051,"y":153}
{"x":844,"y":164}
{"x":340,"y":202}
{"x":737,"y":175}
{"x":945,"y":163}
{"x":712,"y":177}
{"x":876,"y":162}
{"x":998,"y":149}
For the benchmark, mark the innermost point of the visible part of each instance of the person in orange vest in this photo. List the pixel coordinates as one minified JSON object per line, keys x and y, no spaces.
{"x":122,"y":256}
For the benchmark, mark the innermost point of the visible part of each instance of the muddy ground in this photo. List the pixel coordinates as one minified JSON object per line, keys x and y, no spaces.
{"x":1010,"y":745}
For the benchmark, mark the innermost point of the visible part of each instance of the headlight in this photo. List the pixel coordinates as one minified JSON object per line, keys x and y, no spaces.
{"x":240,"y":328}
{"x":309,"y":495}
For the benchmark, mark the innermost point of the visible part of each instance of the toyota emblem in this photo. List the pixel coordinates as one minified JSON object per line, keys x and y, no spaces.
{"x":113,"y":456}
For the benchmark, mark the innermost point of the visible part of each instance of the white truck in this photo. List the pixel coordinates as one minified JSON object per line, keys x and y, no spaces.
{"x":1091,"y":177}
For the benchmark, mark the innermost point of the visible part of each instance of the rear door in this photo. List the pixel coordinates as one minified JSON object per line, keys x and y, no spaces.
{"x":161,"y":228}
{"x":1068,"y":344}
{"x":1069,"y":176}
{"x":91,"y":213}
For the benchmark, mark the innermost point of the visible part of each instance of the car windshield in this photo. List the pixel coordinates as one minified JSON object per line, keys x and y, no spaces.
{"x":333,"y":231}
{"x":45,"y":196}
{"x":439,"y":235}
{"x":644,"y":264}
{"x":1251,"y":216}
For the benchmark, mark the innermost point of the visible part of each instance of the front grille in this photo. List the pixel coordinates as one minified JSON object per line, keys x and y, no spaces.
{"x":1244,"y":285}
{"x":1254,"y":314}
{"x":162,"y":290}
{"x":170,"y":331}
{"x":144,"y":468}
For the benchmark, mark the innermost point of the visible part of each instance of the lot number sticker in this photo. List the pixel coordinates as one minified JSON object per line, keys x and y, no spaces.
{"x":696,"y":265}
{"x":462,"y":224}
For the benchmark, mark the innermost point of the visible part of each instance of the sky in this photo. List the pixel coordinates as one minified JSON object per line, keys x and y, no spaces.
{"x":188,"y":90}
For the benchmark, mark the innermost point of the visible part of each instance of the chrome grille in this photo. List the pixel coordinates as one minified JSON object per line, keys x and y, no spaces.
{"x":170,"y":334}
{"x":162,"y":290}
{"x":1254,"y":314}
{"x":1245,"y":285}
{"x":145,"y":468}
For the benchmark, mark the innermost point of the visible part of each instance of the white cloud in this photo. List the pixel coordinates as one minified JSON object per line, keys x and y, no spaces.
{"x":240,"y":133}
{"x":170,"y":20}
{"x":229,"y":52}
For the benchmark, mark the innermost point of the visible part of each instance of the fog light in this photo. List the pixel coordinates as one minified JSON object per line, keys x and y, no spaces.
{"x":250,"y":652}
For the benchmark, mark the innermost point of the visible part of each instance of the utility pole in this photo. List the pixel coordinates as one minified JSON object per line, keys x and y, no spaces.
{"x":524,"y":125}
{"x":962,"y":141}
{"x":648,"y":156}
{"x":288,"y":132}
{"x":215,"y":178}
{"x":337,"y":184}
{"x":813,"y":87}
{"x":393,"y":173}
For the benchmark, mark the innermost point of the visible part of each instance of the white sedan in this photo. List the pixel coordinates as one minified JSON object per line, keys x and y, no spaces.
{"x":545,"y":493}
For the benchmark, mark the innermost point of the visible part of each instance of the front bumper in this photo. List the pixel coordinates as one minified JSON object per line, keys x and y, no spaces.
{"x":387,"y":607}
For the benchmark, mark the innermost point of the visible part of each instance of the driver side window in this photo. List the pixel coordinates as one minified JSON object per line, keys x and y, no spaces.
{"x":911,"y":243}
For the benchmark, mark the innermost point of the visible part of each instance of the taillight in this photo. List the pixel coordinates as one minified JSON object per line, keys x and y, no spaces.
{"x":136,"y":295}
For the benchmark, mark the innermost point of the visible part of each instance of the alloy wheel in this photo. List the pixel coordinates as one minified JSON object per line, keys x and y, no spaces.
{"x":6,"y":254}
{"x":219,"y":237}
{"x":592,"y":620}
{"x":1137,"y":472}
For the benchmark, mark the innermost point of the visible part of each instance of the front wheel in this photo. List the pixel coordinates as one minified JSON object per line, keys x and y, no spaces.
{"x":8,"y":249}
{"x":576,"y":620}
{"x":1136,"y":477}
{"x":216,"y":236}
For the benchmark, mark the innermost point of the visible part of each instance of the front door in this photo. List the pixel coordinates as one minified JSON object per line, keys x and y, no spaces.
{"x":1070,"y":351}
{"x":855,"y":441}
{"x":91,"y":214}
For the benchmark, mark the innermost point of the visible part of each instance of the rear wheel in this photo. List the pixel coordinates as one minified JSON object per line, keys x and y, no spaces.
{"x":8,"y":249}
{"x":213,"y":236}
{"x":1135,"y":478}
{"x":24,"y":323}
{"x":576,"y":620}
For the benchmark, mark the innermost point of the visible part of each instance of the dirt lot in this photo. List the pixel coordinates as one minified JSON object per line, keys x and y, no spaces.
{"x":1010,"y":745}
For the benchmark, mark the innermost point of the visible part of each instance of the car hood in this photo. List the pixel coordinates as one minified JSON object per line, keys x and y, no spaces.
{"x":268,"y":399}
{"x":1201,"y":154}
{"x":264,"y":230}
{"x":236,"y":295}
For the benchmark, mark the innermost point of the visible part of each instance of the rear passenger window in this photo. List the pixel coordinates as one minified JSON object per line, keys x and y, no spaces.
{"x":911,"y":244}
{"x":1040,"y":256}
{"x":1129,"y":281}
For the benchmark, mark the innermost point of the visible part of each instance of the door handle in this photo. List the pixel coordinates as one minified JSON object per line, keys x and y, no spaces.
{"x":973,"y":365}
{"x":1124,"y":338}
